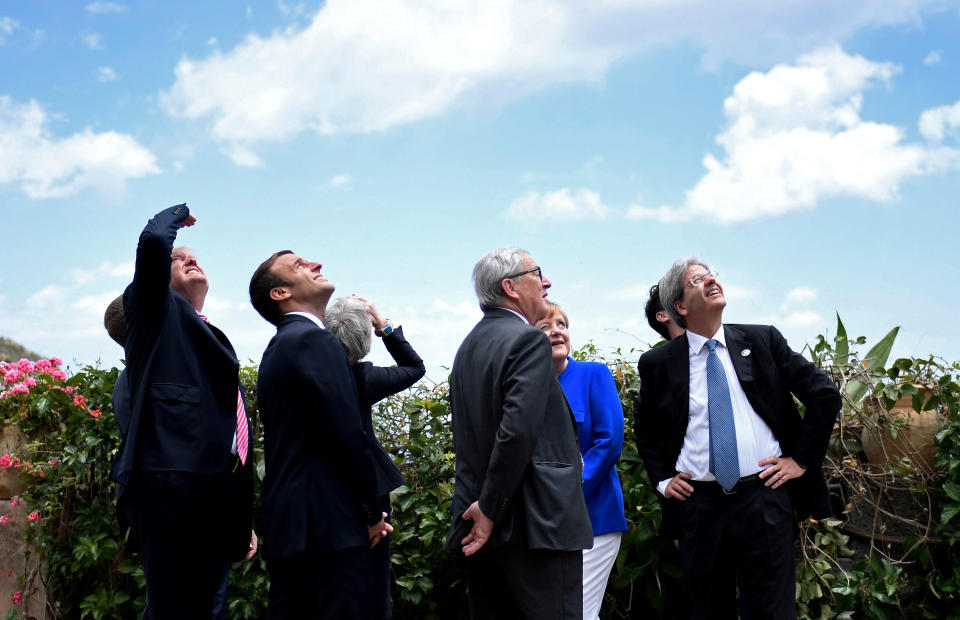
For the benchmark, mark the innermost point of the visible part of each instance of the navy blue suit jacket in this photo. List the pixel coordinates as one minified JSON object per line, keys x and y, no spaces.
{"x":182,"y":373}
{"x":182,"y":377}
{"x":374,"y":383}
{"x":320,"y":490}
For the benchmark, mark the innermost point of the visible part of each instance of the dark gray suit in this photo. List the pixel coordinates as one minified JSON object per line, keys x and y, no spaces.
{"x":517,"y":453}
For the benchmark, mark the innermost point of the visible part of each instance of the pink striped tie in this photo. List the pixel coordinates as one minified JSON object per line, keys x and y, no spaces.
{"x":242,"y":438}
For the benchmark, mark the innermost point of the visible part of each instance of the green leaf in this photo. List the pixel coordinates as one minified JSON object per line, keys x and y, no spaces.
{"x":843,"y":345}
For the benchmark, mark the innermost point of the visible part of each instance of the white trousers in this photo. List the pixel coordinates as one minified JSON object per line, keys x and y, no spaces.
{"x":597,"y":564}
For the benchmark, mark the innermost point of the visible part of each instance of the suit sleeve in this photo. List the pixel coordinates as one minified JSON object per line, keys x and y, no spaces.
{"x":648,"y":424}
{"x":325,"y":373}
{"x":381,"y":382}
{"x":816,"y":391}
{"x":151,"y":276}
{"x":527,"y":374}
{"x":606,"y":429}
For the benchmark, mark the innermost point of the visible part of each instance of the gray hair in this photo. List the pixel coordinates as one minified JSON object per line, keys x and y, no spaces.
{"x":671,"y":286}
{"x":491,"y":270}
{"x":348,"y":320}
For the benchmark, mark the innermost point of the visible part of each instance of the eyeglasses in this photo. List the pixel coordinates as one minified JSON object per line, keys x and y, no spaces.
{"x":698,"y":279}
{"x":523,"y":273}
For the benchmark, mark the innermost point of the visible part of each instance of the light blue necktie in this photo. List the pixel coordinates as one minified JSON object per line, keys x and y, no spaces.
{"x":724,"y":461}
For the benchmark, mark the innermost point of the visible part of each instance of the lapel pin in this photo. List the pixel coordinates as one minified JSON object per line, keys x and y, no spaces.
{"x":745,"y":353}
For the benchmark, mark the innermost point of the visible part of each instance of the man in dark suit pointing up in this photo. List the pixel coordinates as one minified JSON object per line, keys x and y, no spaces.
{"x":185,"y":465}
{"x":722,"y":439}
{"x":518,"y":509}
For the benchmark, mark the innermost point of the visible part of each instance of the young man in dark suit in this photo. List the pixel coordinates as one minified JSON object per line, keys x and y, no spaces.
{"x":722,"y":439}
{"x":320,"y":506}
{"x":518,"y":511}
{"x":184,"y":467}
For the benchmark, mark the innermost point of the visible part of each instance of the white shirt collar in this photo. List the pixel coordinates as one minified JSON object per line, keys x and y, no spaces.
{"x":697,"y":342}
{"x":312,"y":317}
{"x":523,"y":318}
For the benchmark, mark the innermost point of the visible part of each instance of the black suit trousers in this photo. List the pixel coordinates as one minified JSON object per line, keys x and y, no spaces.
{"x":178,"y":520}
{"x":322,"y":584}
{"x":513,"y":582}
{"x":746,"y":540}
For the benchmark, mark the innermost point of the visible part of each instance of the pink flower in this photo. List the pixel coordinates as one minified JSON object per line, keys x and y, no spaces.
{"x":95,"y":413}
{"x":79,"y":400}
{"x":56,"y":361}
{"x":17,"y":597}
{"x":53,"y":462}
{"x":5,"y":461}
{"x":5,"y":520}
{"x":11,"y":376}
{"x":15,"y":501}
{"x":26,"y":366}
{"x":43,"y":365}
{"x":58,"y":374}
{"x":19,"y":389}
{"x":30,"y":382}
{"x":34,"y":516}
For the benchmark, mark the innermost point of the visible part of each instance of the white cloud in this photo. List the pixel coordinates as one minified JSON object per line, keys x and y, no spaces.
{"x":340,"y":180}
{"x":933,"y":58}
{"x":243,"y":156}
{"x":93,"y":40}
{"x":45,"y":297}
{"x":212,"y":41}
{"x":794,"y":136}
{"x":663,"y":213}
{"x":45,"y":166}
{"x":801,"y":295}
{"x":561,"y":204}
{"x":101,"y":7}
{"x":106,"y":269}
{"x":106,"y":74}
{"x":370,"y":66}
{"x":803,"y":318}
{"x":7,"y":26}
{"x":935,"y":122}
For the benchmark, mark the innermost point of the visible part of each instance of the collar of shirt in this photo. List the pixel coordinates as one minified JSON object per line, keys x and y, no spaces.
{"x":522,"y":318}
{"x":312,"y":317}
{"x":697,"y":342}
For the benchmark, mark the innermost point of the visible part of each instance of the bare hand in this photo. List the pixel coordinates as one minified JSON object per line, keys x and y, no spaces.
{"x":678,"y":487}
{"x":253,"y":546}
{"x":190,"y":220}
{"x":781,"y":469}
{"x":379,"y":531}
{"x":479,"y":533}
{"x":375,"y":318}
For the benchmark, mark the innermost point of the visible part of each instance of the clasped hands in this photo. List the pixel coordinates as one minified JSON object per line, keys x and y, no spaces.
{"x":780,"y":470}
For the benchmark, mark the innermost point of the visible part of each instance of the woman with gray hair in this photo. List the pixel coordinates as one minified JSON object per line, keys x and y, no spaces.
{"x":353,"y":321}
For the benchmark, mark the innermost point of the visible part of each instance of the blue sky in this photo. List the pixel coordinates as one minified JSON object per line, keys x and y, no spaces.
{"x":807,"y":150}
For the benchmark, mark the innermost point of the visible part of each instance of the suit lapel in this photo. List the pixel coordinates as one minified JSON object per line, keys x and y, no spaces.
{"x":678,"y":373}
{"x":741,"y":355}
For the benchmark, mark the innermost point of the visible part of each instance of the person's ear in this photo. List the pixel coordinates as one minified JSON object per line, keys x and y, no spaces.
{"x":662,"y":316}
{"x":509,"y":287}
{"x":680,"y":308}
{"x":279,"y":293}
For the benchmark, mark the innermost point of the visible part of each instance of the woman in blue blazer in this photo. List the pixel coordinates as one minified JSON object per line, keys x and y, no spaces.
{"x":593,"y":397}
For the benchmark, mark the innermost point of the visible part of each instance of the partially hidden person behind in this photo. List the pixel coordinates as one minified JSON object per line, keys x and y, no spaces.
{"x":321,"y":514}
{"x":595,"y":402}
{"x":659,"y":319}
{"x":185,"y":465}
{"x":354,"y":320}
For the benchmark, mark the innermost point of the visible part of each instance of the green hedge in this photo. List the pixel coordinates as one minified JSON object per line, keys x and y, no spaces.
{"x":90,"y":573}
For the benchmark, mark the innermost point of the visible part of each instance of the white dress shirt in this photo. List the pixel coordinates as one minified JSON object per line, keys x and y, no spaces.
{"x":755,"y":440}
